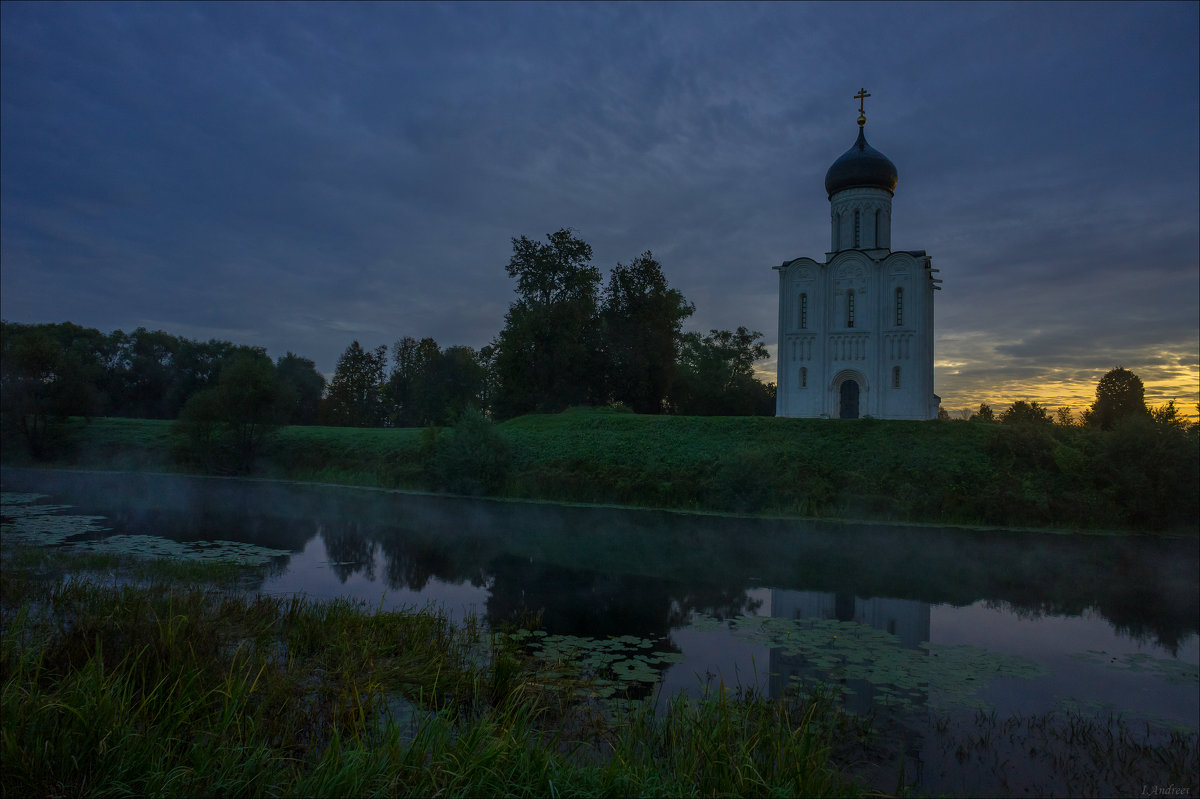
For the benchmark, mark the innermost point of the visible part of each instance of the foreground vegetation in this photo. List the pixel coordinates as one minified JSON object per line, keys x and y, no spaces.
{"x":130,"y":677}
{"x":152,"y":683}
{"x":1142,"y":475}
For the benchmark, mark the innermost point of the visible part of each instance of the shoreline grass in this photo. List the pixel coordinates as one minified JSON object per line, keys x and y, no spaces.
{"x":124,"y":676}
{"x":172,"y":687}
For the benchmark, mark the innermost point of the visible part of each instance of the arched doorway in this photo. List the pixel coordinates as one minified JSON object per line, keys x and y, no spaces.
{"x":848,"y":407}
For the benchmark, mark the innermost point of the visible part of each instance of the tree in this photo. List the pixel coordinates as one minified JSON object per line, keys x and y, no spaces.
{"x":432,"y":386}
{"x":196,"y":365}
{"x":642,"y":320}
{"x":355,"y":393}
{"x":549,"y":356}
{"x":984,"y":414}
{"x":1119,"y":395}
{"x":716,"y":375}
{"x":455,"y":383}
{"x":307,"y":387}
{"x":147,"y":369}
{"x":227,"y":425}
{"x":1022,"y":412}
{"x":1063,"y":417}
{"x":1168,"y":417}
{"x":47,"y":373}
{"x":411,"y":359}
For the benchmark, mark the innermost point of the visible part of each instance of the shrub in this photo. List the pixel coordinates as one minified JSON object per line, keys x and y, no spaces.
{"x":472,"y":458}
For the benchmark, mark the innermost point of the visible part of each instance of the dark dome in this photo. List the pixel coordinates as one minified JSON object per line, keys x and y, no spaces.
{"x":862,"y":166}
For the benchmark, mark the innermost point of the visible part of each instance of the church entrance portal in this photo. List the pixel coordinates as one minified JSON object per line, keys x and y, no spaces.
{"x":849,"y":406}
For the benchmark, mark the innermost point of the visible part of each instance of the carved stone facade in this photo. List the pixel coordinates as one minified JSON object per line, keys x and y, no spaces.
{"x":856,"y":330}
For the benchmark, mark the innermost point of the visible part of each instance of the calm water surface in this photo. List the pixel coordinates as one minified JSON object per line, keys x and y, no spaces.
{"x":904,"y":617}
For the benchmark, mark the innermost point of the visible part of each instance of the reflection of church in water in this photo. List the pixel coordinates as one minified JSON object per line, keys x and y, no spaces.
{"x":856,"y":330}
{"x":907,"y":619}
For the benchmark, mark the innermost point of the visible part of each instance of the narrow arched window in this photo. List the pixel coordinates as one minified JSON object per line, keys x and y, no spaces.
{"x":857,"y":227}
{"x":899,"y":307}
{"x":803,"y":311}
{"x":850,"y":308}
{"x":895,"y":377}
{"x":803,"y":377}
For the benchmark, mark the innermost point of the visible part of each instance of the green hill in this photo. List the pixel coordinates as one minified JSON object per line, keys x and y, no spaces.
{"x":1140,"y":476}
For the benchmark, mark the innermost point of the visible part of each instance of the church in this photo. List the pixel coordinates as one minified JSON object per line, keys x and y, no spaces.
{"x":856,"y":330}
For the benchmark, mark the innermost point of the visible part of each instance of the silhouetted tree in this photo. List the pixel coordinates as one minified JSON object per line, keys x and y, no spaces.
{"x":454,"y":383}
{"x":548,"y":356}
{"x":486,"y":358}
{"x":227,"y":425}
{"x":47,"y":373}
{"x":405,"y":395}
{"x":1022,"y":412}
{"x":642,"y":321}
{"x":1119,"y":395}
{"x":1168,"y":417}
{"x":146,"y":372}
{"x":716,"y":375}
{"x":984,"y":414}
{"x":307,"y":386}
{"x":355,"y":393}
{"x":195,"y":366}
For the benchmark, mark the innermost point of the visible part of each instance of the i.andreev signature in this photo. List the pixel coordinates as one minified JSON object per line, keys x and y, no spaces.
{"x":1166,"y":790}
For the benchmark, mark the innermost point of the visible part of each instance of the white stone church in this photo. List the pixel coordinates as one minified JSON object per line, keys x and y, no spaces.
{"x":856,"y":330}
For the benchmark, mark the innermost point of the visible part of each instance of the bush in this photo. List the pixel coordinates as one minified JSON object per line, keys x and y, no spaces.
{"x":472,"y":458}
{"x":224,"y":428}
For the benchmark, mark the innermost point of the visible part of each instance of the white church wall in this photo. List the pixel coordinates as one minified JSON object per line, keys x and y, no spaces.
{"x":841,"y":319}
{"x":874,"y":220}
{"x":819,"y":349}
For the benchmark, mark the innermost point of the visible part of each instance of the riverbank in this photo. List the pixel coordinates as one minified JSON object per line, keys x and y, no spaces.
{"x":173,"y":677}
{"x":160,"y":678}
{"x":1138,"y":478}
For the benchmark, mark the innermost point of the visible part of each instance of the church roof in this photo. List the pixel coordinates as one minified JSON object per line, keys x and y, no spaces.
{"x":862,"y":166}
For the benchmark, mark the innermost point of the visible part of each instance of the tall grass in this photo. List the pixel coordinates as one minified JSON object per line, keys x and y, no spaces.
{"x":163,"y":689}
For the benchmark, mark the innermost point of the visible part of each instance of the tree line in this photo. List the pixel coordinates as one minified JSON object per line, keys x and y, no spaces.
{"x":1120,"y":398}
{"x":567,"y":340}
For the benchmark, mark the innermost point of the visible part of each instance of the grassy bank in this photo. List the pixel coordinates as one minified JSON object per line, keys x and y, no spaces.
{"x":1139,"y":477}
{"x":151,"y":681}
{"x":151,"y":678}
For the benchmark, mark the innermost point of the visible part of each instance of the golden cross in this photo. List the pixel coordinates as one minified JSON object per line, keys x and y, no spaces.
{"x":862,"y":94}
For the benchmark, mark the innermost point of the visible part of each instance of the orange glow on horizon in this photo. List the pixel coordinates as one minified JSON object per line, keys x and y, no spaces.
{"x":1166,"y":376}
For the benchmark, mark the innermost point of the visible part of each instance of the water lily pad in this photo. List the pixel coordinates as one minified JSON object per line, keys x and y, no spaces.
{"x":1176,"y":672}
{"x":834,"y":651}
{"x":49,"y":525}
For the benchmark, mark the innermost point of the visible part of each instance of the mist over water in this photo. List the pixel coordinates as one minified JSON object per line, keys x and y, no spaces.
{"x":1101,"y":622}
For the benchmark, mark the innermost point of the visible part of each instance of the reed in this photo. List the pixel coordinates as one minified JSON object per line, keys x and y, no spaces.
{"x":165,"y":687}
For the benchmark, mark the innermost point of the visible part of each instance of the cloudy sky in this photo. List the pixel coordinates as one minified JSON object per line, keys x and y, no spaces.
{"x":300,"y":176}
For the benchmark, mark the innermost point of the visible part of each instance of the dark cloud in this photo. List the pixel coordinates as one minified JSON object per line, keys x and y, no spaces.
{"x":298,"y":176}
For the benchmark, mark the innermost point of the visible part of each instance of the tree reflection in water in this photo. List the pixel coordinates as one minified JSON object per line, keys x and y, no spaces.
{"x":600,"y":570}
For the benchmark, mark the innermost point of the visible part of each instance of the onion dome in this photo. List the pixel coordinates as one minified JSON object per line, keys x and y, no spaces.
{"x":862,"y":166}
